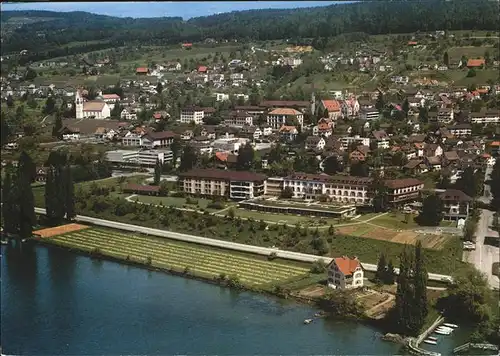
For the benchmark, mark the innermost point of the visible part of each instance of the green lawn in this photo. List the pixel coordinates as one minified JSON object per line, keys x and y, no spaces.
{"x":175,"y":202}
{"x":456,"y":53}
{"x":163,"y":253}
{"x":282,"y":218}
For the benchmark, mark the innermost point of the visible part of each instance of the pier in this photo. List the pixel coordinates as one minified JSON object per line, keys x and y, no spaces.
{"x":470,"y":345}
{"x":413,"y":344}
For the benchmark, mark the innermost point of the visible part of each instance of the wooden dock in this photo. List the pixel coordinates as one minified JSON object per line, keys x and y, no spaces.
{"x":471,"y":345}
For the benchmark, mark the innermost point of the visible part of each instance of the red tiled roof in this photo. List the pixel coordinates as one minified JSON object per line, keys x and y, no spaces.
{"x":111,"y":96}
{"x":221,"y":156}
{"x":202,"y":69}
{"x":402,"y":183}
{"x":347,"y":265}
{"x":412,"y":43}
{"x":212,"y":173}
{"x":157,"y":115}
{"x":331,"y":105}
{"x":475,"y":62}
{"x":142,"y":70}
{"x":187,"y":45}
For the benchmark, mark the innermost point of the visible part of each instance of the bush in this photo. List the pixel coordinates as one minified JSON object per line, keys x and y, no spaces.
{"x":215,"y":204}
{"x":318,"y":266}
{"x":191,"y":201}
{"x":272,"y":256}
{"x":178,"y":194}
{"x":149,"y":260}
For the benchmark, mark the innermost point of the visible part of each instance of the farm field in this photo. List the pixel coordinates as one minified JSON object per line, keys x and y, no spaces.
{"x":175,"y":202}
{"x":456,"y":53}
{"x":162,"y":253}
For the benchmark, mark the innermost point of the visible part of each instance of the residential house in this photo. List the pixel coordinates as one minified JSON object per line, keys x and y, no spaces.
{"x":445,"y":115}
{"x":382,"y":139}
{"x":111,"y":100}
{"x":369,"y":114}
{"x":128,"y":115}
{"x":434,"y":163}
{"x":345,"y":273}
{"x":158,"y":139}
{"x":485,"y":117}
{"x":347,"y":141}
{"x":323,"y":128}
{"x":461,"y":130}
{"x":360,"y":153}
{"x":432,"y":149}
{"x":476,"y":63}
{"x":415,"y":167}
{"x":401,"y":191}
{"x":456,"y":204}
{"x":252,"y":132}
{"x":315,"y":143}
{"x":288,"y":133}
{"x":142,"y":71}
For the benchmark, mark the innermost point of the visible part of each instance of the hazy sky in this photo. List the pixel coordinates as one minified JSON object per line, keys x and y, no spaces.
{"x":160,"y":9}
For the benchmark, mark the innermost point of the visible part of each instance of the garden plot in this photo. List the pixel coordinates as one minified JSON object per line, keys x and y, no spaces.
{"x":169,"y":254}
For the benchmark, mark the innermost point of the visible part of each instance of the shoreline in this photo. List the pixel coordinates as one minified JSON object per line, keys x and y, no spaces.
{"x":217,"y":282}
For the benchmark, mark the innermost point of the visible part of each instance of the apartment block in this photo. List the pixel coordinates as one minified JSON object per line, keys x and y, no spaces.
{"x":215,"y":182}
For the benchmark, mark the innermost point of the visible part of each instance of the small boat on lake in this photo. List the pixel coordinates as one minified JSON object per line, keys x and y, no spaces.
{"x":445,"y":328}
{"x":453,"y":326}
{"x":442,"y":332}
{"x":431,"y":342}
{"x":308,"y":321}
{"x":432,"y":338}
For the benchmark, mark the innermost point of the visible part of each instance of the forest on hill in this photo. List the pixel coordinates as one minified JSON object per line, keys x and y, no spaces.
{"x":79,"y":32}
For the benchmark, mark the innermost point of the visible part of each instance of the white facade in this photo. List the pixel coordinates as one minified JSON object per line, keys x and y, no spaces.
{"x":278,"y":117}
{"x":345,"y":273}
{"x":128,"y":115}
{"x":239,"y":120}
{"x":351,"y":190}
{"x":91,"y":109}
{"x":192,"y":115}
{"x":142,"y":157}
{"x":486,"y":119}
{"x":346,"y":141}
{"x":132,"y":139}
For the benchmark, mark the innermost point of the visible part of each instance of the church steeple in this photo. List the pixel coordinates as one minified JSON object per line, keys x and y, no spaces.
{"x":78,"y":105}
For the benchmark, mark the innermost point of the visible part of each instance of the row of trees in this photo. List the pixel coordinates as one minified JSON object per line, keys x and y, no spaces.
{"x":495,"y":185}
{"x":59,"y":189}
{"x":411,"y":306}
{"x":18,"y":204}
{"x":369,"y":17}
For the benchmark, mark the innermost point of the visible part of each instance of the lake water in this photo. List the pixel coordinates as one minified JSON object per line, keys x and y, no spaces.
{"x":56,"y":302}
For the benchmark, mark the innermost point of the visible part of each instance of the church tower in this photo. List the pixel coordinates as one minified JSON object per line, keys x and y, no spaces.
{"x":78,"y":105}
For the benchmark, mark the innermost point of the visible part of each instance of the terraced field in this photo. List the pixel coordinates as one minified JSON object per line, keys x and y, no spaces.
{"x":201,"y":261}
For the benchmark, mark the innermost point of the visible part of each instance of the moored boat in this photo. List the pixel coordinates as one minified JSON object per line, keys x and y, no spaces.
{"x":432,"y":338}
{"x":453,"y":326}
{"x":308,"y":321}
{"x":442,"y":332}
{"x":431,"y":342}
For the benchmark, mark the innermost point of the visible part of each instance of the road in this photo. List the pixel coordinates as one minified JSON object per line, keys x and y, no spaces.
{"x":484,"y":255}
{"x":296,"y":256}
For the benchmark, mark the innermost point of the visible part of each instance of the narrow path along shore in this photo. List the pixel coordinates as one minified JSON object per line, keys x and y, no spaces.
{"x":224,"y":244}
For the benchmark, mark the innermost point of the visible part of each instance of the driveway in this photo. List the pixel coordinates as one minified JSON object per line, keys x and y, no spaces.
{"x":484,"y":256}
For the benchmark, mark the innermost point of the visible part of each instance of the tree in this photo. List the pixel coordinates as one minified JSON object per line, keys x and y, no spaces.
{"x":189,"y":159}
{"x":446,"y":59}
{"x":10,"y":102}
{"x":423,"y":115}
{"x":380,"y":104}
{"x":495,"y":185}
{"x":331,"y":165}
{"x":69,"y":186}
{"x":379,"y":192}
{"x":443,"y":182}
{"x":157,"y":175}
{"x":471,"y":73}
{"x":10,"y":213}
{"x":4,"y":131}
{"x":50,"y":106}
{"x":404,"y":294}
{"x":159,"y":87}
{"x":56,"y":129}
{"x":56,"y":187}
{"x":175,"y":147}
{"x":390,"y":274}
{"x":469,"y":297}
{"x":359,"y":169}
{"x":420,"y":284}
{"x":432,"y":211}
{"x":287,"y":193}
{"x":246,"y":157}
{"x":469,"y":183}
{"x":381,"y":269}
{"x":406,"y":107}
{"x":30,"y":74}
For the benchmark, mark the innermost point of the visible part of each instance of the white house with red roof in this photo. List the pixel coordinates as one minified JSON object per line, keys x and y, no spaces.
{"x":345,"y":273}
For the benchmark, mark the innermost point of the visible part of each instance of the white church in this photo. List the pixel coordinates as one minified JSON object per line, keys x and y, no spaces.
{"x":94,"y":109}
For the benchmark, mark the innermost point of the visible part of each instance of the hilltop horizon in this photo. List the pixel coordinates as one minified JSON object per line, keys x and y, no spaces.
{"x":186,"y":10}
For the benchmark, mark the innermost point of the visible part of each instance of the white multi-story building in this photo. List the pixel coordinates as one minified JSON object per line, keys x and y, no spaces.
{"x":279,"y":117}
{"x":192,"y":114}
{"x":238,"y":119}
{"x":369,"y":114}
{"x":229,"y":144}
{"x":216,"y":182}
{"x":132,"y":139}
{"x":345,"y":273}
{"x":346,"y":141}
{"x":139,"y":157}
{"x":485,"y":118}
{"x":128,"y":115}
